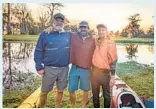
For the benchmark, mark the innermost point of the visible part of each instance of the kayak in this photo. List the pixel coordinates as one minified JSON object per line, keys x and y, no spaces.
{"x":124,"y":97}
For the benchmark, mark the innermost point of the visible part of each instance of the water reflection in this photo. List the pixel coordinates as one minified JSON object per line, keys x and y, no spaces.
{"x":18,"y":60}
{"x":131,"y":51}
{"x":13,"y":54}
{"x":151,"y":49}
{"x":143,"y":54}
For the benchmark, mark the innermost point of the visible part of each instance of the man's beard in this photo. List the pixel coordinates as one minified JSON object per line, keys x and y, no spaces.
{"x":58,"y":28}
{"x":84,"y":34}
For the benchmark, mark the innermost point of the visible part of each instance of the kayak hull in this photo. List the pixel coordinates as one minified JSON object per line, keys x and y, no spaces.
{"x":124,"y":96}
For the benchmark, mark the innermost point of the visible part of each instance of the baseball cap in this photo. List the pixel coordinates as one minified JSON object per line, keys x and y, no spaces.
{"x":83,"y":24}
{"x":59,"y":15}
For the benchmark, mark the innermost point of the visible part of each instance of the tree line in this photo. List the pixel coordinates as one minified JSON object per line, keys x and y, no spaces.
{"x":17,"y":19}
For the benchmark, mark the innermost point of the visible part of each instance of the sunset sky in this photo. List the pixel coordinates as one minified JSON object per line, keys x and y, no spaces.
{"x":114,"y":15}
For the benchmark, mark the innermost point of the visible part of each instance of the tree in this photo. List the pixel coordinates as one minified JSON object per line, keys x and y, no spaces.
{"x":111,"y":33}
{"x":8,"y":23}
{"x":5,"y":17}
{"x":52,"y":8}
{"x":151,"y":30}
{"x":7,"y":7}
{"x":133,"y":28}
{"x":134,"y":24}
{"x":18,"y":17}
{"x":22,"y":14}
{"x":117,"y":33}
{"x":43,"y":18}
{"x":74,"y":28}
{"x":31,"y":23}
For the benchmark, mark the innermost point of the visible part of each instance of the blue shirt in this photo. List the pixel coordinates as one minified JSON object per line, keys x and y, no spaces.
{"x":52,"y":49}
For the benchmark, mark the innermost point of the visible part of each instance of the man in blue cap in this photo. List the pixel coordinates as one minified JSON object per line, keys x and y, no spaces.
{"x":82,"y":48}
{"x":52,"y":54}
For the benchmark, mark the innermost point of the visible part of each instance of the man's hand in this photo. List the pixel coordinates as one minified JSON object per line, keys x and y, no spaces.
{"x":40,"y":72}
{"x":49,"y":29}
{"x":112,"y":81}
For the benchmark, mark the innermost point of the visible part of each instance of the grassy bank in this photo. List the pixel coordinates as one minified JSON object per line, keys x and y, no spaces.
{"x":20,"y":37}
{"x":132,"y":68}
{"x":138,"y":76}
{"x":133,"y":40}
{"x":142,"y":84}
{"x":117,"y":39}
{"x":12,"y":98}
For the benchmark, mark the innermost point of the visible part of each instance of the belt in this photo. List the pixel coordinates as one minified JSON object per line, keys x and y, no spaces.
{"x":55,"y":67}
{"x":102,"y":69}
{"x":80,"y":67}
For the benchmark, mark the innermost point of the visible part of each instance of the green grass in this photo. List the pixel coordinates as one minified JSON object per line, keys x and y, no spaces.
{"x":66,"y":103}
{"x":15,"y":97}
{"x":116,"y":39}
{"x":142,"y":84}
{"x":132,"y":68}
{"x":132,"y":40}
{"x":138,"y":76}
{"x":12,"y":98}
{"x":20,"y":37}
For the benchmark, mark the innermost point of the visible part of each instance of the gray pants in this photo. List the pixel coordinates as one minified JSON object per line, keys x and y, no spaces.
{"x":52,"y":74}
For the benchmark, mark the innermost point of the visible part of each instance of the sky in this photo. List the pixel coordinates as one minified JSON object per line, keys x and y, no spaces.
{"x":114,"y":15}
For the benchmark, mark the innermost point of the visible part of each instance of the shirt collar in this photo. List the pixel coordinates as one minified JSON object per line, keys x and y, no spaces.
{"x":59,"y":31}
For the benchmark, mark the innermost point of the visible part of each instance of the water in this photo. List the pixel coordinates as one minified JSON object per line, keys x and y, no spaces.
{"x":144,"y":54}
{"x":22,"y":55}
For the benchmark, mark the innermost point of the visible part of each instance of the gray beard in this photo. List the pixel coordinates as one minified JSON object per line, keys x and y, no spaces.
{"x":56,"y":28}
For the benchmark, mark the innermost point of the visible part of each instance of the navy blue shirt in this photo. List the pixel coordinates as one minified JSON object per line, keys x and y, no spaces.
{"x":52,"y":49}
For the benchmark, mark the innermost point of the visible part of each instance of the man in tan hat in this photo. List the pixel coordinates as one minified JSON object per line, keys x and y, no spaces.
{"x":104,"y":61}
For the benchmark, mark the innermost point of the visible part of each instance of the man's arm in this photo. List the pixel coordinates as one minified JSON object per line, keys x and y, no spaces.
{"x":113,"y":57}
{"x":113,"y":68}
{"x":72,"y":48}
{"x":38,"y":54}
